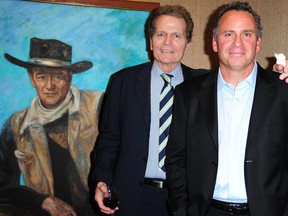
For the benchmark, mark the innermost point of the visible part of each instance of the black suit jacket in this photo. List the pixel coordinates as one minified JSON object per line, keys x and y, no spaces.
{"x":120,"y":154}
{"x":192,"y":150}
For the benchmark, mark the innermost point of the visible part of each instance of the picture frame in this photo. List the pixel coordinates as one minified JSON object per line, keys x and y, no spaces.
{"x":120,"y":4}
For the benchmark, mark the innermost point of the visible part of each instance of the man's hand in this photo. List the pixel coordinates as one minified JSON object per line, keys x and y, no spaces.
{"x":283,"y":70}
{"x":56,"y":207}
{"x":101,"y":192}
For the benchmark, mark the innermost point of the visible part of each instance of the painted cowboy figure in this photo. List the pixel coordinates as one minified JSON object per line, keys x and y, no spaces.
{"x":45,"y":148}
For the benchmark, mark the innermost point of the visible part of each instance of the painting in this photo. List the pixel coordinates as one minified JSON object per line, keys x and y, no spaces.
{"x":99,"y":31}
{"x":45,"y":145}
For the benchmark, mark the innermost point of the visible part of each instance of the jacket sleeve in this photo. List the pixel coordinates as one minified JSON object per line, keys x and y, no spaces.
{"x":104,"y":154}
{"x":11,"y":192}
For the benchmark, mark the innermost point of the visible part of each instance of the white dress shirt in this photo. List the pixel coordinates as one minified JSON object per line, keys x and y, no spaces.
{"x":234,"y":110}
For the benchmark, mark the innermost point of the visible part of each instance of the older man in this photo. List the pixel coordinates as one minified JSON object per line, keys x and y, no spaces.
{"x":44,"y":149}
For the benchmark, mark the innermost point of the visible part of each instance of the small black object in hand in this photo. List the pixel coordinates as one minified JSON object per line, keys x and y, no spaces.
{"x":110,"y":202}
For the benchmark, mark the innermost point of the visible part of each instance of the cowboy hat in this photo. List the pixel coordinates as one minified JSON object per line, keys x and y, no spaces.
{"x":50,"y":53}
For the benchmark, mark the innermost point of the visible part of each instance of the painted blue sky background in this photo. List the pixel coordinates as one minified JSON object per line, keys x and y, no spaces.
{"x":110,"y":38}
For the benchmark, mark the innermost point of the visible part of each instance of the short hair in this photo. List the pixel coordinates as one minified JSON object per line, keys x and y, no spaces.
{"x":170,"y":10}
{"x":238,"y":6}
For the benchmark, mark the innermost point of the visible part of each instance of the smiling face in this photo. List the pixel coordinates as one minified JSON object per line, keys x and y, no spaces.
{"x":237,"y":42}
{"x":52,"y":85}
{"x":169,"y":42}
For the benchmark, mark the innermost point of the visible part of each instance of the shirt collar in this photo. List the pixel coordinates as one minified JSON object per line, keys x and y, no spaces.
{"x":251,"y":79}
{"x":177,"y":72}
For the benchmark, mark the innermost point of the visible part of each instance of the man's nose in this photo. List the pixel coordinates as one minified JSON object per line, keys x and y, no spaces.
{"x":49,"y":83}
{"x":168,"y":39}
{"x":238,"y":40}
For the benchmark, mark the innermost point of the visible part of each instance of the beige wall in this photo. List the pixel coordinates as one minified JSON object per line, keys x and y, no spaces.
{"x":274,"y":21}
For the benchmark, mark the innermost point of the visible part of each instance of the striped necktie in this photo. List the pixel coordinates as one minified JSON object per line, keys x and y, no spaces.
{"x":166,"y":103}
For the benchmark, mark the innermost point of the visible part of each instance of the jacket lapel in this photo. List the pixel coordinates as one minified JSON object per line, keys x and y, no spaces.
{"x":143,"y":93}
{"x":31,"y":153}
{"x":187,"y":72}
{"x":207,"y":96}
{"x":263,"y":97}
{"x":44,"y":168}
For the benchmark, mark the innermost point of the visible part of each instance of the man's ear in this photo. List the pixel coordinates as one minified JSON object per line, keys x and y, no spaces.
{"x":214,"y":45}
{"x":70,"y":74}
{"x":258,"y":44}
{"x":151,"y":44}
{"x":186,"y":48}
{"x":30,"y":73}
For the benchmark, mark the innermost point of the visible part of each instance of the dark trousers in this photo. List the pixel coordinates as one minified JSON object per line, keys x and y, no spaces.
{"x":13,"y":211}
{"x":153,"y":202}
{"x":217,"y":212}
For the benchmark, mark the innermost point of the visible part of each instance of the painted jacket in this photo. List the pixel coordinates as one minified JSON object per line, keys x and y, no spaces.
{"x":26,"y":155}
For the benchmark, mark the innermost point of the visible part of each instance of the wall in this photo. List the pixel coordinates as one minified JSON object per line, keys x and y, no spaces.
{"x":274,"y":22}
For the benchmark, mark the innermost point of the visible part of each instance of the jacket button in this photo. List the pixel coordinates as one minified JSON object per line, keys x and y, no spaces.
{"x":214,"y":164}
{"x":208,"y":201}
{"x":145,"y":159}
{"x":140,"y":183}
